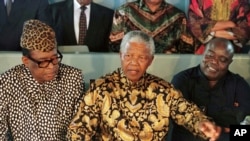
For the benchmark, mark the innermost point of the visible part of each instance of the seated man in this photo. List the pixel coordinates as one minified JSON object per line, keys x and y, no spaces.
{"x":39,"y":97}
{"x":222,"y":94}
{"x":131,"y":105}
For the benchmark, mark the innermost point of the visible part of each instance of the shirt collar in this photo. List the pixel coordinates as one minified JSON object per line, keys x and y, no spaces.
{"x":5,"y":1}
{"x":78,"y":6}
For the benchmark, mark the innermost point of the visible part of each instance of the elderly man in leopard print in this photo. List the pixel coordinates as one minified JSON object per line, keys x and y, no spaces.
{"x":130,"y":104}
{"x":39,"y":97}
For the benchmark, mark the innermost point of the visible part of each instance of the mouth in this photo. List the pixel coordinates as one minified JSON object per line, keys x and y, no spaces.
{"x":211,"y":69}
{"x":133,"y":72}
{"x":52,"y":74}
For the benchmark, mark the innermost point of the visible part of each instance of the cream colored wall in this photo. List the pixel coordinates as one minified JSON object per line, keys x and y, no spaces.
{"x":94,"y":65}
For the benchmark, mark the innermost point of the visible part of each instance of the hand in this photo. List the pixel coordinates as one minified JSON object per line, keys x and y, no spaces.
{"x":226,"y":129}
{"x":210,"y":130}
{"x":223,"y":25}
{"x":225,"y":34}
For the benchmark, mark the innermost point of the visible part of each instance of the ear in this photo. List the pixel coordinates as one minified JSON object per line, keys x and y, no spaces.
{"x":151,"y":60}
{"x":25,"y":61}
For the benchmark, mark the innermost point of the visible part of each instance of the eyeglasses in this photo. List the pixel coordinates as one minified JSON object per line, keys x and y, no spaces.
{"x":45,"y":63}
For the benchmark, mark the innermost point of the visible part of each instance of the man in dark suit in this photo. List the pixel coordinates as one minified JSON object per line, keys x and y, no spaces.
{"x":11,"y":25}
{"x":66,"y":23}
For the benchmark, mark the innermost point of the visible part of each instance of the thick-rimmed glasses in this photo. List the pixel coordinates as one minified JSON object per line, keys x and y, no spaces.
{"x":44,"y":64}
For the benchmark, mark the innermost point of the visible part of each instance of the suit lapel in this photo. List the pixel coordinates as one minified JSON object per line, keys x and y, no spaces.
{"x":94,"y":16}
{"x":19,"y":7}
{"x":69,"y":20}
{"x":3,"y":14}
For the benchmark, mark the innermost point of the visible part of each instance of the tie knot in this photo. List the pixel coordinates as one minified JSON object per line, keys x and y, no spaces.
{"x":83,"y":8}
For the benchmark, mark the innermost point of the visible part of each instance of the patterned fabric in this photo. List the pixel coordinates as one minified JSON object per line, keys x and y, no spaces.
{"x":82,"y":26}
{"x":30,"y":111}
{"x":115,"y":110}
{"x":167,"y":26}
{"x":37,"y":35}
{"x":227,"y":103}
{"x":203,"y":14}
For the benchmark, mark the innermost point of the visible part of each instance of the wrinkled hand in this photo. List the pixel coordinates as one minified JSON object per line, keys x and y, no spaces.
{"x":225,"y":34}
{"x":210,"y":130}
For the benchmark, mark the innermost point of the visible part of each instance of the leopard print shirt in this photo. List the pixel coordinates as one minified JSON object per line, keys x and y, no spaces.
{"x":30,"y":111}
{"x":114,"y":109}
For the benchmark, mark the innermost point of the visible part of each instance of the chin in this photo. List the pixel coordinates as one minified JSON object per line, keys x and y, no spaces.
{"x":48,"y":78}
{"x":212,"y":78}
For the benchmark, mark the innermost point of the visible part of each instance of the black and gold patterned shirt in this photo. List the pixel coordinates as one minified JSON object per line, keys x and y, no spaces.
{"x":30,"y":111}
{"x":114,"y":109}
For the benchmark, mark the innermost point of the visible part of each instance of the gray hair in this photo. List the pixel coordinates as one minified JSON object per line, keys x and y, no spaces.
{"x":137,"y":36}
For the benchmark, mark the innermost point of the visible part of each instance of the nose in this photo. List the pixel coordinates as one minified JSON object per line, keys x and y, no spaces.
{"x":51,"y":65}
{"x":134,"y":60}
{"x":214,"y":60}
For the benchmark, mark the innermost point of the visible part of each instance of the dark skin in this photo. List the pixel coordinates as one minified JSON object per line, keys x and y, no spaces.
{"x":41,"y":75}
{"x":135,"y":60}
{"x":216,"y":60}
{"x":153,"y":4}
{"x":84,"y":2}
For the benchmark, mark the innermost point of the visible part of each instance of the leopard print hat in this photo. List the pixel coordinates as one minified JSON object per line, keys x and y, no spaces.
{"x":38,"y":36}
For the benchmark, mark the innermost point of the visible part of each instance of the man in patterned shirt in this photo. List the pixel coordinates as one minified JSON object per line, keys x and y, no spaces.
{"x":161,"y":20}
{"x":131,"y":105}
{"x":39,"y":97}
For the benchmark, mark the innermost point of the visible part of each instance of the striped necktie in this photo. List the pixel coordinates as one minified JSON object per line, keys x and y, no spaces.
{"x":82,"y":26}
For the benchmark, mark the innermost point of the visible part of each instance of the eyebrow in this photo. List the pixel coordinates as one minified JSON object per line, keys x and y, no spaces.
{"x":45,"y":58}
{"x":210,"y":50}
{"x":227,"y":57}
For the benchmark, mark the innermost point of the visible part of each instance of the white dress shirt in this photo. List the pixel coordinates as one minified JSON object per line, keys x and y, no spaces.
{"x":77,"y":13}
{"x":5,"y":1}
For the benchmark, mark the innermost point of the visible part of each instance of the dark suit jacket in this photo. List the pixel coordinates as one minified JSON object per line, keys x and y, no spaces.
{"x":97,"y":36}
{"x":11,"y":27}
